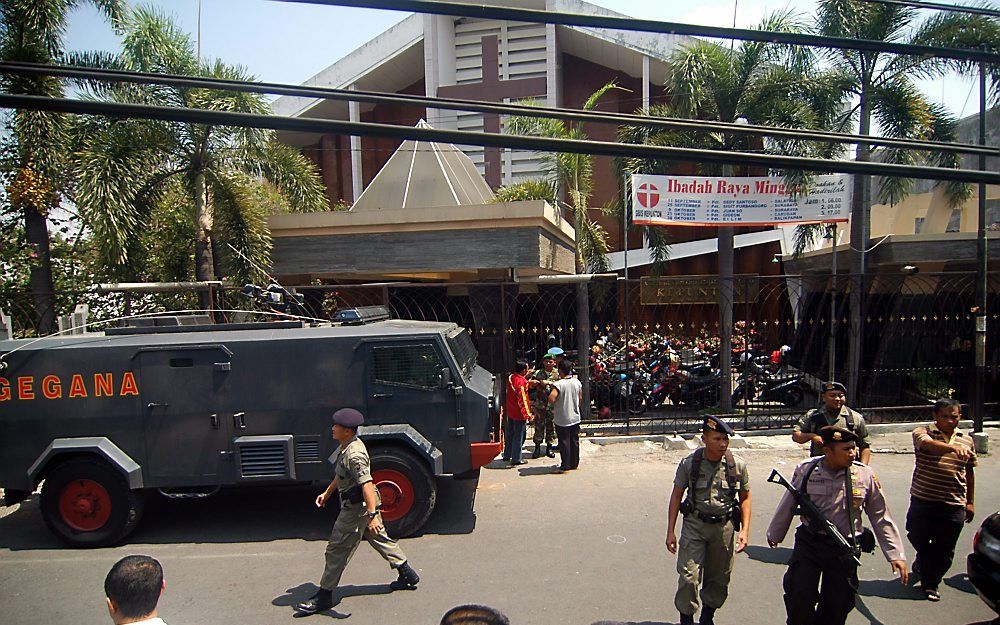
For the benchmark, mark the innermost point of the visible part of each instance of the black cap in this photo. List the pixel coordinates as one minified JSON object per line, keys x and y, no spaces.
{"x":717,"y":425}
{"x":834,"y":434}
{"x":834,"y":386}
{"x":348,"y":418}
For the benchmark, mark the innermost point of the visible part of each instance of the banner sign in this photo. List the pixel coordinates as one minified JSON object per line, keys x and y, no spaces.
{"x":737,"y":201}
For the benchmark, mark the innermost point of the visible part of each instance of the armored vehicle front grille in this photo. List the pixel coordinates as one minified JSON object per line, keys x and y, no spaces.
{"x":306,"y":451}
{"x":263,"y":460}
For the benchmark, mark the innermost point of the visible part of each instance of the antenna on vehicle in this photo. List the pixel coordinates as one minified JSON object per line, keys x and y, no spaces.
{"x":275,"y":288}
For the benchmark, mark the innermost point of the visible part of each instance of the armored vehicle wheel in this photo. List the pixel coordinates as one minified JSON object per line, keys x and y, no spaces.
{"x":407,"y":490}
{"x":89,"y":504}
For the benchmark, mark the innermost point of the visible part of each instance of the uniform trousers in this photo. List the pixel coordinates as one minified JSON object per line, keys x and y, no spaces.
{"x":704,"y":555}
{"x":933,"y":528}
{"x":545,"y":425}
{"x":569,"y":446}
{"x":350,"y":527}
{"x":821,"y":588}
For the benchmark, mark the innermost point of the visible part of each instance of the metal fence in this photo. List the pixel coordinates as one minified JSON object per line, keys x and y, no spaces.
{"x":916,"y":332}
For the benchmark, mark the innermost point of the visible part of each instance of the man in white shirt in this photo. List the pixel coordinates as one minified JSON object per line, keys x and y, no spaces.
{"x":567,"y":392}
{"x":133,"y":588}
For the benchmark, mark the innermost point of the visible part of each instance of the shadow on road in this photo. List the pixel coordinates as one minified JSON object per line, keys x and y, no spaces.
{"x":549,"y":469}
{"x":239,"y":515}
{"x":778,"y":555}
{"x":960,"y":581}
{"x":298,"y":594}
{"x":631,"y":623}
{"x":889,"y":589}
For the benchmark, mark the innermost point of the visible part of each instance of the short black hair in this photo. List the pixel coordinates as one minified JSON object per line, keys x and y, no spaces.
{"x":520,"y":366}
{"x":471,"y":614}
{"x":565,"y":367}
{"x":134,"y":584}
{"x":946,"y":404}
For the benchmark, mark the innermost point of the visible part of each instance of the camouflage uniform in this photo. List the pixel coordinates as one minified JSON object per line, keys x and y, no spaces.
{"x":544,"y":421}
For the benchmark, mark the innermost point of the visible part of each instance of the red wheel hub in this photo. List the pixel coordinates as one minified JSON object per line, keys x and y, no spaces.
{"x":84,"y":505}
{"x":396,"y":492}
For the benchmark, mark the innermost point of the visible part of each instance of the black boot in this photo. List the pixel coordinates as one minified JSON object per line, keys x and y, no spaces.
{"x":707,"y":616}
{"x":407,"y":580}
{"x":538,"y":450}
{"x":549,"y":452}
{"x":687,"y":619}
{"x":322,"y":600}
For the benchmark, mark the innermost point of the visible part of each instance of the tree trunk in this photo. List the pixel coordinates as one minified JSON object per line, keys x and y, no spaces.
{"x":204,"y":266}
{"x":860,"y":229}
{"x":36,"y":231}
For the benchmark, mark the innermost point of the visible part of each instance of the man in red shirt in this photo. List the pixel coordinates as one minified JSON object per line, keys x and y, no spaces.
{"x":518,"y":413}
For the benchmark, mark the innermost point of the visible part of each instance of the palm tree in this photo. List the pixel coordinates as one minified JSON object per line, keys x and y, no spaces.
{"x":575,"y":174}
{"x":226,"y":176}
{"x":32,"y":31}
{"x":883,"y":87}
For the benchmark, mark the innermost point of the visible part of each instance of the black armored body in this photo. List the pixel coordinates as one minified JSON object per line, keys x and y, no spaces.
{"x":106,"y":417}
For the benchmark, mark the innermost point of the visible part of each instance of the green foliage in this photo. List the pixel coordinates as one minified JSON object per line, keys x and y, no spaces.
{"x":535,"y":189}
{"x":136,"y":174}
{"x":575,"y":174}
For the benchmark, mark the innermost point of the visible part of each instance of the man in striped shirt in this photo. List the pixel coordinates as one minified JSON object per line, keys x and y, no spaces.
{"x":941,"y":494}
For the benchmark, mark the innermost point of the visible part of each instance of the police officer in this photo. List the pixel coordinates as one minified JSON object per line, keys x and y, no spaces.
{"x":359,"y":516}
{"x":841,"y":488}
{"x":832,"y":412}
{"x":545,"y":429}
{"x":718,"y":498}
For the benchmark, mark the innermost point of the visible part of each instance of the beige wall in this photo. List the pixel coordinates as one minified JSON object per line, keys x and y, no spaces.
{"x":933,"y":208}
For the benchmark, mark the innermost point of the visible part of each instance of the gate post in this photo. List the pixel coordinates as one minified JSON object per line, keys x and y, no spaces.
{"x":583,"y":344}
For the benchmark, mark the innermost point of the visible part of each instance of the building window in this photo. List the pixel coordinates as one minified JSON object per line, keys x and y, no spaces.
{"x":993,"y":214}
{"x":955,"y":222}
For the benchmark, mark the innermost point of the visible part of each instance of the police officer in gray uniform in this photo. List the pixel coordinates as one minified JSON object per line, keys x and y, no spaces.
{"x":716,"y":522}
{"x":834,"y":411}
{"x":821,"y":584}
{"x":359,"y":516}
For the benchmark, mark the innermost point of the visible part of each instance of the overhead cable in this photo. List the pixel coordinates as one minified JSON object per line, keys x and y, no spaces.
{"x":457,"y":9}
{"x":938,"y":6}
{"x":377,"y":97}
{"x":462,"y":137}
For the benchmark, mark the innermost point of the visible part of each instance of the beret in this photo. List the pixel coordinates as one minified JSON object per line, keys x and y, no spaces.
{"x":834,"y":434}
{"x":348,"y":418}
{"x":718,"y":425}
{"x":834,"y":386}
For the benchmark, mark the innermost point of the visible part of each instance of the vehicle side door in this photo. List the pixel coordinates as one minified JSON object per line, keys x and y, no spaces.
{"x":188,"y":441}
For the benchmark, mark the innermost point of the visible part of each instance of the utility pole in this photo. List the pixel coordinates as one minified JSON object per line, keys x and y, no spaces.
{"x":979,"y":383}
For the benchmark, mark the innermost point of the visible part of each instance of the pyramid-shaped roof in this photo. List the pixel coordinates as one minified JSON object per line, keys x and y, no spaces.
{"x":425,"y":174}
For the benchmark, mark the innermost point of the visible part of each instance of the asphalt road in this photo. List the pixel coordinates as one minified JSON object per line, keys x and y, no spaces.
{"x":570,"y":549}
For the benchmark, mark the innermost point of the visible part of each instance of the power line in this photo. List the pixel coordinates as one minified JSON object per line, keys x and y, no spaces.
{"x":378,"y":97}
{"x":937,"y":6}
{"x":460,"y":137}
{"x":456,"y":9}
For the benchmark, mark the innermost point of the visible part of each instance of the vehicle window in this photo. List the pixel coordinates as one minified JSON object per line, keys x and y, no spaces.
{"x":464,"y":351}
{"x":407,"y":365}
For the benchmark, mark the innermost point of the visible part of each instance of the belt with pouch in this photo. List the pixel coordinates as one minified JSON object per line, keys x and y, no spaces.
{"x":351,"y":495}
{"x":711,"y":518}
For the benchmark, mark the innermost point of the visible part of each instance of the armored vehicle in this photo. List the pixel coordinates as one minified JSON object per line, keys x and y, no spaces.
{"x":106,"y":418}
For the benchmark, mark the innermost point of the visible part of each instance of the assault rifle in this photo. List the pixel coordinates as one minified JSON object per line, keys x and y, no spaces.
{"x":816,"y":518}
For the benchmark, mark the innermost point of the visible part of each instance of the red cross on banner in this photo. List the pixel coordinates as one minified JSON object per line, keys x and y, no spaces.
{"x":648,"y":194}
{"x":492,"y":89}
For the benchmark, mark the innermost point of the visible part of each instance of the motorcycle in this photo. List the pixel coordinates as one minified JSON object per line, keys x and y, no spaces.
{"x":757,"y":384}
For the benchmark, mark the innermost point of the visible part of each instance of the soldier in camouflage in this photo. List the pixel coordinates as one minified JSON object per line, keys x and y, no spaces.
{"x":541,"y":385}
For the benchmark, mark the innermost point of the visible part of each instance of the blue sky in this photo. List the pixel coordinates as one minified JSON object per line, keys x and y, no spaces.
{"x":290,"y":42}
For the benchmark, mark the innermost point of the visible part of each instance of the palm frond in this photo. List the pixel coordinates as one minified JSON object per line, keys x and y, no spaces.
{"x":240,"y":221}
